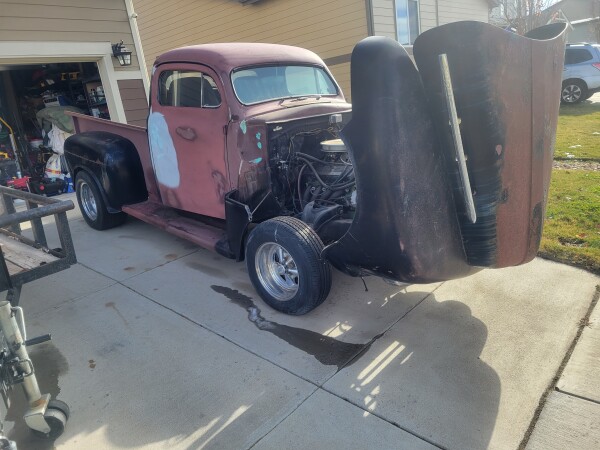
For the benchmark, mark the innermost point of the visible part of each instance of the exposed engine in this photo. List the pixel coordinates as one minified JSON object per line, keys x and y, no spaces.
{"x":311,"y":173}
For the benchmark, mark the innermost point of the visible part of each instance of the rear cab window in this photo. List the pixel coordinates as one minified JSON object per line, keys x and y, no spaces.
{"x":188,"y":89}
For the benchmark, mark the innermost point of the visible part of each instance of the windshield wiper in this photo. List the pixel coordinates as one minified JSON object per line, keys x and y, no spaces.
{"x":301,"y":98}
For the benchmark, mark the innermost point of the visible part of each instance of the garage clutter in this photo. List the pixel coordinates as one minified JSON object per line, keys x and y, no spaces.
{"x":34,"y":123}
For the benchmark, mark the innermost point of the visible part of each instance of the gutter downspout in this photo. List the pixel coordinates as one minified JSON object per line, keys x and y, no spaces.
{"x":370,"y":24}
{"x":137,"y":42}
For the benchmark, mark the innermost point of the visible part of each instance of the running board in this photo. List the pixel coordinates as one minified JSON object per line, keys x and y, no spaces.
{"x":167,"y":219}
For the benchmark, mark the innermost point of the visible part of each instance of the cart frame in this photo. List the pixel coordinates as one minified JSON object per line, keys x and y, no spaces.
{"x":23,"y":260}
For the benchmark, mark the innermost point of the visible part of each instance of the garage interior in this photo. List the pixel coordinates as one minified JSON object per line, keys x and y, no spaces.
{"x":33,"y":125}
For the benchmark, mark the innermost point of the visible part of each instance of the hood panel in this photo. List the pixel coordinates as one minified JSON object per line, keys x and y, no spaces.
{"x":410,"y":224}
{"x":507,"y":93}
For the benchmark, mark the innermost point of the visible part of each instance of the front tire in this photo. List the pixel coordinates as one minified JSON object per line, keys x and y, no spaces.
{"x":573,"y":91}
{"x":92,"y":205}
{"x":283,"y":256}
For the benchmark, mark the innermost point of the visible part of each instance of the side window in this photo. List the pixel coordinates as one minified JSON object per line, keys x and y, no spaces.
{"x":577,"y":55}
{"x":187,"y":89}
{"x":210,"y":93}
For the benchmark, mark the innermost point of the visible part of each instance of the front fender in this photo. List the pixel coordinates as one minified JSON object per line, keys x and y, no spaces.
{"x":405,"y":227}
{"x":410,"y":224}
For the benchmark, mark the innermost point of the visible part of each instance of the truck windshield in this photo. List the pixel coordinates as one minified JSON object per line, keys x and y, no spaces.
{"x":262,"y":84}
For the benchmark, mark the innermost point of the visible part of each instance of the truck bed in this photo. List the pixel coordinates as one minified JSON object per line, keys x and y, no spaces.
{"x":137,"y":135}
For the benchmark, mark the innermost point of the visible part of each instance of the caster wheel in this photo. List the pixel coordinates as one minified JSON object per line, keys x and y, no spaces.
{"x":56,"y":416}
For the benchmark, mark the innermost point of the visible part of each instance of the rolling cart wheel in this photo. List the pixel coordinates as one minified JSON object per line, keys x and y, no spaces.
{"x":56,"y":416}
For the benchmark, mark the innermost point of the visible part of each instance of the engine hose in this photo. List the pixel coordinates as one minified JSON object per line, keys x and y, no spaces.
{"x":306,"y":196}
{"x":316,"y":193}
{"x":327,"y":194}
{"x":337,"y":194}
{"x":309,"y":164}
{"x":300,"y":186}
{"x":310,"y":157}
{"x":328,"y":186}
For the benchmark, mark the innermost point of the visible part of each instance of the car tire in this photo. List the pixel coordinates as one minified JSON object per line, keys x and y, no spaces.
{"x":92,"y":204}
{"x":283,"y":257}
{"x":573,"y":91}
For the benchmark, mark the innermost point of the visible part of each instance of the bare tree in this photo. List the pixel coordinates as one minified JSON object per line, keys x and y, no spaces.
{"x":525,"y":15}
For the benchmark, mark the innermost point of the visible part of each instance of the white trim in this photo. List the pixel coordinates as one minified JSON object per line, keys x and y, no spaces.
{"x":39,"y":52}
{"x":137,"y":42}
{"x":129,"y":75}
{"x":591,"y":19}
{"x":111,"y":89}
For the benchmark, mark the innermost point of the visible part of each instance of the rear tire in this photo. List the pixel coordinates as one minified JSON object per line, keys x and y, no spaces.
{"x":92,"y":204}
{"x":573,"y":91}
{"x":283,"y":256}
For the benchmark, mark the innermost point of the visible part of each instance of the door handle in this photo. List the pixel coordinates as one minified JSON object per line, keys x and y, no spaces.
{"x":187,"y":133}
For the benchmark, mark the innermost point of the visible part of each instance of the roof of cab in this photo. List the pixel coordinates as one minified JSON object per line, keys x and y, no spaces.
{"x":232,"y":55}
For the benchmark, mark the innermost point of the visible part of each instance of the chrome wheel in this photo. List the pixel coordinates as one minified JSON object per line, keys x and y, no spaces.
{"x":277,"y":271}
{"x":571,"y":93}
{"x":88,"y":201}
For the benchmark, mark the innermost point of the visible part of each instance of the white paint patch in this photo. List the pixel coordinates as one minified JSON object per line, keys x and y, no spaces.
{"x":164,"y":156}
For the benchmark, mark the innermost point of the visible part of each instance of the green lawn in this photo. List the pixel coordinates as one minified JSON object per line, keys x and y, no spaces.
{"x":572,"y":227}
{"x":576,"y":127}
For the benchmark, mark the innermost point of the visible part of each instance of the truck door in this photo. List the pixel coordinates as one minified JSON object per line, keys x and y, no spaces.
{"x":187,"y":140}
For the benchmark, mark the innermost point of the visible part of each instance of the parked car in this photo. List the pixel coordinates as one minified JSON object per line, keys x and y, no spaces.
{"x":243,"y":156}
{"x":581,"y":74}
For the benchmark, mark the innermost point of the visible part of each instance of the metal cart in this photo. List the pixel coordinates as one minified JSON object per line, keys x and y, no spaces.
{"x":23,"y":260}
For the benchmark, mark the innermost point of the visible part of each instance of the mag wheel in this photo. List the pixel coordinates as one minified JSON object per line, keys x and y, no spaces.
{"x":283,"y":256}
{"x":92,"y":205}
{"x":573,"y":91}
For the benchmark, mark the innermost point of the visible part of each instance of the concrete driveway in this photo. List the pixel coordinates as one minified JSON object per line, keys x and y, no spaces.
{"x":153,"y":348}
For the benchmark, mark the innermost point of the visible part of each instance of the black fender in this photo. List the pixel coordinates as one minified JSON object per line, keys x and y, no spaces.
{"x":114,"y":164}
{"x":240,"y":215}
{"x":405,"y":227}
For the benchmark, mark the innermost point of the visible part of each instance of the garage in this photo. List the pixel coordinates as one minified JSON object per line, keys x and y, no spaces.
{"x":59,"y":57}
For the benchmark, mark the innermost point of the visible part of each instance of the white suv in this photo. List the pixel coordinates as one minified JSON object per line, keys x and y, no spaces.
{"x":581,"y":75}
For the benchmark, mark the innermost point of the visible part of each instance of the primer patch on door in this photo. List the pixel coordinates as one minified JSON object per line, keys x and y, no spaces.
{"x":164,"y":156}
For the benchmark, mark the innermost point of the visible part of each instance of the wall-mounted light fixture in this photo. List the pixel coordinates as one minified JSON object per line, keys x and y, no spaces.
{"x":122,"y":53}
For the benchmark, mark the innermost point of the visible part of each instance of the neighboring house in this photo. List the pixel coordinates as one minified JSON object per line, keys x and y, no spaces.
{"x":59,"y":51}
{"x":330,"y":28}
{"x":583,"y":15}
{"x":585,"y":30}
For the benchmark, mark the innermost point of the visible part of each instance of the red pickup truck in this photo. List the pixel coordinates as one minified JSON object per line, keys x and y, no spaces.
{"x":252,"y":151}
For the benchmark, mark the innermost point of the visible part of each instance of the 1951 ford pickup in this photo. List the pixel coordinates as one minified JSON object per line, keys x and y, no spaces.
{"x":252,"y":151}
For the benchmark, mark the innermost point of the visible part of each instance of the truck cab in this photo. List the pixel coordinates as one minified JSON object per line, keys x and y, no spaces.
{"x":210,"y":105}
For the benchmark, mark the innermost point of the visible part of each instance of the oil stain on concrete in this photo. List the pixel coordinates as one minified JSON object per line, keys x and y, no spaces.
{"x":325,"y":349}
{"x":206,"y":269}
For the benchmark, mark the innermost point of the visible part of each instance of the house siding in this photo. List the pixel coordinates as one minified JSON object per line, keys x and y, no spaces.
{"x":67,"y":20}
{"x":134,"y":101}
{"x":330,"y":28}
{"x":431,"y":14}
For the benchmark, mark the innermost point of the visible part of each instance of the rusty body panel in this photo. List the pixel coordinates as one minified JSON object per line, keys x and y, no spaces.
{"x":411,"y":224}
{"x":189,"y":142}
{"x":505,"y":88}
{"x":405,"y":227}
{"x":138,"y":137}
